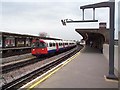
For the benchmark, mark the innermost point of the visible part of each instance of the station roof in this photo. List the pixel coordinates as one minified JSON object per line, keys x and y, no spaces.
{"x":92,"y":32}
{"x":7,"y":34}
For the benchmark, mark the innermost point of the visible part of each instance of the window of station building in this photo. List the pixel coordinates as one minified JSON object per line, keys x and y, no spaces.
{"x":9,"y":42}
{"x":20,"y":42}
{"x":27,"y":42}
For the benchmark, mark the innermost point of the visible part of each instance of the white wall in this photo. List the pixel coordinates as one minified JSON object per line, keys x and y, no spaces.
{"x":106,"y":54}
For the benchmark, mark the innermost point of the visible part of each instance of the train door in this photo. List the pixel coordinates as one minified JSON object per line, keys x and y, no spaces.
{"x":57,"y":48}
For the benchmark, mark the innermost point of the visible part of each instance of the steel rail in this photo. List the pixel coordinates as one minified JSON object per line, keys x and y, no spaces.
{"x":14,"y":66}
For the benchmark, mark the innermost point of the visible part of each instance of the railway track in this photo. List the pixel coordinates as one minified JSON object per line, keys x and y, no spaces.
{"x":50,"y":63}
{"x":14,"y":66}
{"x":18,"y":64}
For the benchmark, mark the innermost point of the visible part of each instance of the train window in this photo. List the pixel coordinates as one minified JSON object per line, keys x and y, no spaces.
{"x":46,"y":44}
{"x":66,"y":43}
{"x":53,"y":44}
{"x":42,"y":45}
{"x":50,"y":44}
{"x":35,"y":44}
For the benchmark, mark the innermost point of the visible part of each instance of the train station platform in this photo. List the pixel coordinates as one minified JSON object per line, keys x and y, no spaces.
{"x":86,"y":70}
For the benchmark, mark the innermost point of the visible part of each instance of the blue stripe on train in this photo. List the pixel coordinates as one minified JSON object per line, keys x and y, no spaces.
{"x":61,"y":49}
{"x":51,"y":51}
{"x":54,"y":50}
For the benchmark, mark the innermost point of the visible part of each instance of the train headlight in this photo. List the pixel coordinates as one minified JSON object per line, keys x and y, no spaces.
{"x":33,"y":49}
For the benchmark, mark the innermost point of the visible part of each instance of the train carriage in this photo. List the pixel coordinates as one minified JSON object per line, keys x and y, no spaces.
{"x":51,"y":46}
{"x":38,"y":47}
{"x":60,"y":45}
{"x":66,"y":44}
{"x":44,"y":47}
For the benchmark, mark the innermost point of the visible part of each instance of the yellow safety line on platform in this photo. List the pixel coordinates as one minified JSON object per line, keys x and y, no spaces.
{"x":47,"y":76}
{"x":109,"y":80}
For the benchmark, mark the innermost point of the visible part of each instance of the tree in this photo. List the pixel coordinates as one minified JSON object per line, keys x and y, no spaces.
{"x":43,"y":34}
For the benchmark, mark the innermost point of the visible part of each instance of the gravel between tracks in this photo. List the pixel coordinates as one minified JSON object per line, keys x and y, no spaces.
{"x":16,"y":58}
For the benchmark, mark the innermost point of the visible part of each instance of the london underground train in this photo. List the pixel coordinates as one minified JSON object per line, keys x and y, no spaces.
{"x":44,"y":47}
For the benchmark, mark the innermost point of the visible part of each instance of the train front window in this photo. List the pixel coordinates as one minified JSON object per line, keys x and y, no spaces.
{"x":39,"y":45}
{"x":42,"y":45}
{"x":35,"y":44}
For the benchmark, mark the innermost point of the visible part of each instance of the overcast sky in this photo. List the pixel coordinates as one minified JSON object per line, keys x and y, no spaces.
{"x":35,"y":16}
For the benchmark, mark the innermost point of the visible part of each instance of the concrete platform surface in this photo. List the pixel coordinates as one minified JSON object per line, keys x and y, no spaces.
{"x":87,"y":70}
